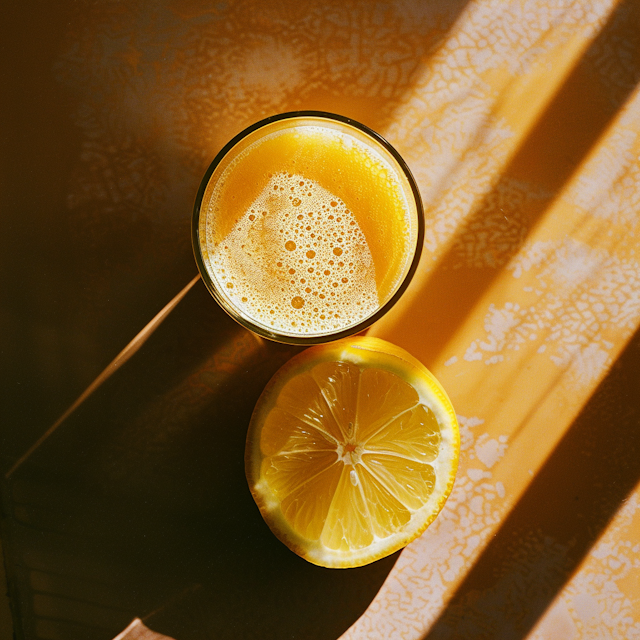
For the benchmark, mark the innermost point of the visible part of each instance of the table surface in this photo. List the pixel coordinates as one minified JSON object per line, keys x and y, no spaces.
{"x":127,"y":391}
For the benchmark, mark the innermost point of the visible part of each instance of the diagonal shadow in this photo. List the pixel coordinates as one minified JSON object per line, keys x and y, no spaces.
{"x":139,"y":506}
{"x":558,"y":519}
{"x":552,"y":152}
{"x":133,"y":507}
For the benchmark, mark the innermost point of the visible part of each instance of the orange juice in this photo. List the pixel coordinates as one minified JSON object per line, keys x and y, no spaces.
{"x":307,"y":227}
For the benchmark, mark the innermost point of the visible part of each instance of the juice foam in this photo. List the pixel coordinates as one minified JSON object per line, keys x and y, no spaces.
{"x":298,"y":259}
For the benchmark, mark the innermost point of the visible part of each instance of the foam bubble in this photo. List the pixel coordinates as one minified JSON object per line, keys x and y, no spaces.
{"x":281,"y":264}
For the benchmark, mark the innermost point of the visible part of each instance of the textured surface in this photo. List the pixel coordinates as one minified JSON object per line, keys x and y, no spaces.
{"x":520,"y":120}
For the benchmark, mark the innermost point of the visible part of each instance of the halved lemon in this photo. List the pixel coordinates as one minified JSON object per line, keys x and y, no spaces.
{"x":352,"y":451}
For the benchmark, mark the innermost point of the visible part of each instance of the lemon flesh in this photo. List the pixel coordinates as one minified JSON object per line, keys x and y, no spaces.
{"x":351,"y":452}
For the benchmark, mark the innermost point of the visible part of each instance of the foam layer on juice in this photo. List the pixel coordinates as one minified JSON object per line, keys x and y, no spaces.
{"x":297,"y":260}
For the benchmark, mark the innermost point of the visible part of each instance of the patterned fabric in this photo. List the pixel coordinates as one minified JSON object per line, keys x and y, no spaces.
{"x":520,"y":120}
{"x":523,"y":131}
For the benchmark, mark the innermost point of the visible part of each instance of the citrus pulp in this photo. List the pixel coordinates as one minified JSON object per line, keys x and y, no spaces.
{"x":351,"y":452}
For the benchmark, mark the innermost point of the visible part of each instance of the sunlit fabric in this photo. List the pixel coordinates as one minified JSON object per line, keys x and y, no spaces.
{"x":123,"y":494}
{"x":524,"y":132}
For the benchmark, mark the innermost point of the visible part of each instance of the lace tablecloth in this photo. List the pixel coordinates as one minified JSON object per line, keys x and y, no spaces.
{"x":520,"y":120}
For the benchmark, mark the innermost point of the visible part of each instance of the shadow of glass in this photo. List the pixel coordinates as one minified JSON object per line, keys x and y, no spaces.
{"x":142,"y":498}
{"x":558,"y":519}
{"x":553,"y":150}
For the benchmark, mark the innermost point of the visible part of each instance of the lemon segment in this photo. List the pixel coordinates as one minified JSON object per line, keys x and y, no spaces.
{"x":351,"y":451}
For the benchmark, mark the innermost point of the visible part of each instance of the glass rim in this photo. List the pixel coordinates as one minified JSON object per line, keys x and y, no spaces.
{"x":302,"y":339}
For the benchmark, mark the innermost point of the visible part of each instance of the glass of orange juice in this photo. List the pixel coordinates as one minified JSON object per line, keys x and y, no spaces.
{"x":307,"y":227}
